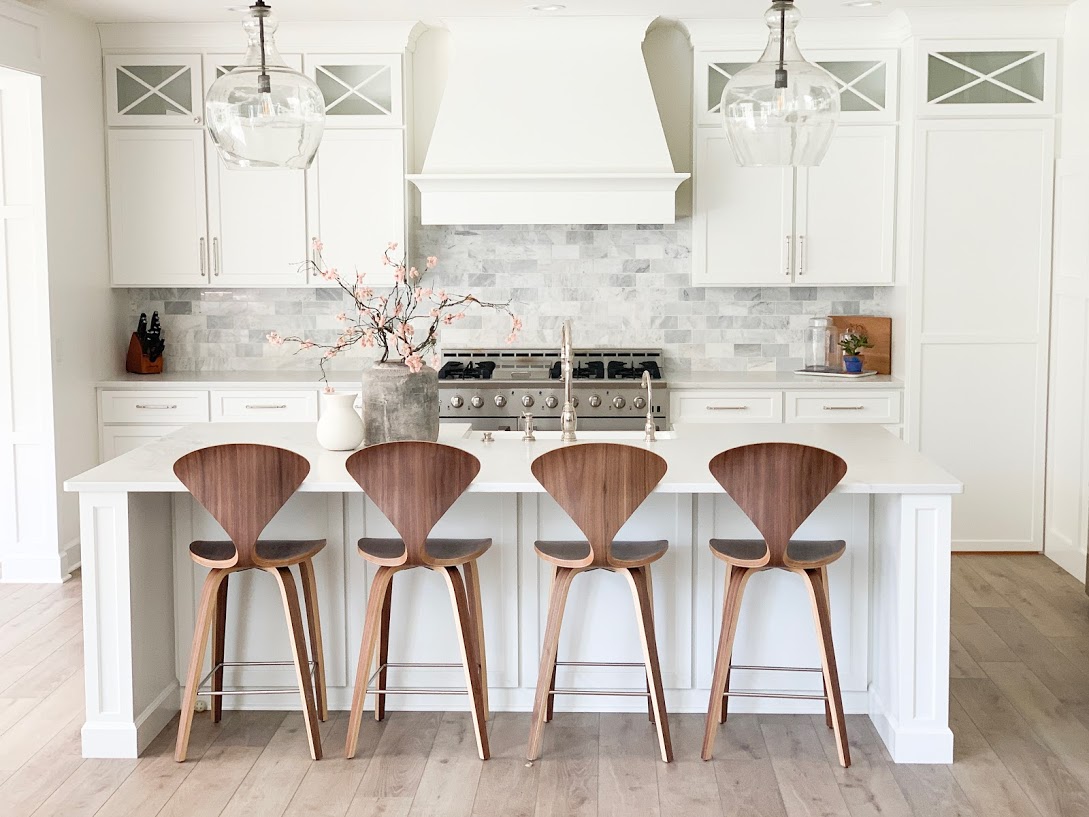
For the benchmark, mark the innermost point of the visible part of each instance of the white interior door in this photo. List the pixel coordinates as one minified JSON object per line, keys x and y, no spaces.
{"x":743,"y":218}
{"x":845,"y":212}
{"x":357,"y":200}
{"x":28,"y":486}
{"x":982,"y":270}
{"x":158,"y":215}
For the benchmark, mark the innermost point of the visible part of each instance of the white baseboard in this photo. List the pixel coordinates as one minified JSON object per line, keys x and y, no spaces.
{"x":71,"y":557}
{"x":106,"y":739}
{"x":1071,"y":560}
{"x":33,"y":570}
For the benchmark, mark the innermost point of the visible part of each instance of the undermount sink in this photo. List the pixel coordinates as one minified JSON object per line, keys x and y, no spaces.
{"x":583,"y":436}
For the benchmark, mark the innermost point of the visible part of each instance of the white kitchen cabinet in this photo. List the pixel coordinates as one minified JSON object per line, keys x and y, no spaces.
{"x":844,"y":211}
{"x":743,"y":218}
{"x":360,"y":90}
{"x":987,"y":78}
{"x":836,"y":405}
{"x":356,"y":201}
{"x":981,"y":280}
{"x":117,"y":440}
{"x":727,"y":407}
{"x":832,"y":224}
{"x":264,"y":406}
{"x":147,"y":90}
{"x":839,"y":406}
{"x":158,"y":215}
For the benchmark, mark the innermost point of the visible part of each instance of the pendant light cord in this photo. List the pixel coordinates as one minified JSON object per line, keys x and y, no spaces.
{"x":264,"y":84}
{"x":781,"y":72}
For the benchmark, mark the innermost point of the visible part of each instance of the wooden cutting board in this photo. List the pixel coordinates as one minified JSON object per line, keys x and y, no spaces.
{"x":879,"y":331}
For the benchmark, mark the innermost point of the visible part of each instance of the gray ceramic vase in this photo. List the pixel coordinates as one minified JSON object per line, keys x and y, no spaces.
{"x":400,"y":405}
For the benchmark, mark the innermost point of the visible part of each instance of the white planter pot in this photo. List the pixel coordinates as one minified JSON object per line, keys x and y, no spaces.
{"x":340,"y":427}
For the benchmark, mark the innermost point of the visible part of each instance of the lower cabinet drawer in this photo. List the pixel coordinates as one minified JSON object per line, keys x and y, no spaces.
{"x":843,"y":407}
{"x":728,"y":407}
{"x":265,"y":406}
{"x":153,"y":406}
{"x":117,"y":440}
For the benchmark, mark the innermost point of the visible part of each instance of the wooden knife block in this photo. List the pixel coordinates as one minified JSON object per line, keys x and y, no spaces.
{"x":137,"y":362}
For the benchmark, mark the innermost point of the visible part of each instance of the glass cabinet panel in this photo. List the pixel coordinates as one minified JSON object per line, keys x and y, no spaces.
{"x":359,"y":91}
{"x":1009,"y":77}
{"x":153,"y":90}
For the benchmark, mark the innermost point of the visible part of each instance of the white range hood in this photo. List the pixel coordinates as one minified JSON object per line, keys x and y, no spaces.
{"x":548,"y":121}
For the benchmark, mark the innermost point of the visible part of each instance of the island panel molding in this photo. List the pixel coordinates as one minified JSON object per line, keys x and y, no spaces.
{"x":141,"y":588}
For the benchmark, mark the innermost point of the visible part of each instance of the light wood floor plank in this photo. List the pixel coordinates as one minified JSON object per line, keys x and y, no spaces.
{"x":33,"y":731}
{"x":627,"y":757}
{"x":448,"y":784}
{"x":399,"y":759}
{"x":961,"y":664}
{"x":20,"y":662}
{"x":507,"y":785}
{"x":51,"y":672}
{"x":272,"y":781}
{"x":1036,"y":768}
{"x":1025,"y":597}
{"x":568,"y":781}
{"x":687,"y":787}
{"x":806,"y":781}
{"x":740,"y":738}
{"x":975,"y":589}
{"x":867,"y":787}
{"x":43,"y":773}
{"x":748,"y":788}
{"x":1059,"y":674}
{"x":932,"y":791}
{"x":330,"y":786}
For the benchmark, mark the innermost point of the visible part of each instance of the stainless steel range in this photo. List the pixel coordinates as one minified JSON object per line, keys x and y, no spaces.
{"x":491,"y":388}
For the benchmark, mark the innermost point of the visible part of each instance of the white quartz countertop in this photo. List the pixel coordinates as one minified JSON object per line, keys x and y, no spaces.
{"x":878,"y":462}
{"x":343,"y":381}
{"x":778,"y":380}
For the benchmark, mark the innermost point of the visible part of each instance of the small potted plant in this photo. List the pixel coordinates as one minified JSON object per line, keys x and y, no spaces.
{"x":853,"y":341}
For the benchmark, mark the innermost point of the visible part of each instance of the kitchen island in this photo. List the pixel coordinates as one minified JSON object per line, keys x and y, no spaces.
{"x":889,"y":592}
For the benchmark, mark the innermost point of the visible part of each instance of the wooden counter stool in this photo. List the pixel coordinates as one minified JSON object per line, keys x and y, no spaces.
{"x":600,"y":486}
{"x":243,"y":487}
{"x":414,"y":484}
{"x":777,"y":486}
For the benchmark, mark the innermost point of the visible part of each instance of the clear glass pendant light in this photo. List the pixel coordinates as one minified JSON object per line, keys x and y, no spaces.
{"x":782,"y":110}
{"x":263,"y":113}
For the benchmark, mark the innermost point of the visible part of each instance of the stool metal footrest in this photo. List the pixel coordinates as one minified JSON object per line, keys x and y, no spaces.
{"x":413,"y":690}
{"x":202,"y":689}
{"x":790,"y":695}
{"x":623,"y":693}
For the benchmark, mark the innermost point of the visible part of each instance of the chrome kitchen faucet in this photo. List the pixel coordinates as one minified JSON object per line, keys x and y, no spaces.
{"x":568,"y":419}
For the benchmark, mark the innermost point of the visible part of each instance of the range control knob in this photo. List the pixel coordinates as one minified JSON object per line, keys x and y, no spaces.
{"x":500,"y":400}
{"x":619,"y":402}
{"x":551,"y":402}
{"x":574,"y":402}
{"x":595,"y":401}
{"x":456,"y":401}
{"x":639,"y":402}
{"x":527,"y":400}
{"x":477,"y":401}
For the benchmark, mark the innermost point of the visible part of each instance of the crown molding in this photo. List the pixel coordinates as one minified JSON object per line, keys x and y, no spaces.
{"x":353,"y":37}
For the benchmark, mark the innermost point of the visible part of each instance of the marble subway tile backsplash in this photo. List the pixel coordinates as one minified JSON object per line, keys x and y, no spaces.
{"x":622,"y":285}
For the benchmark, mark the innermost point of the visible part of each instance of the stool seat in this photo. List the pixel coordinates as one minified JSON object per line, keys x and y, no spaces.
{"x":275,"y":552}
{"x":624,"y":554}
{"x":442,"y":552}
{"x":805,"y":554}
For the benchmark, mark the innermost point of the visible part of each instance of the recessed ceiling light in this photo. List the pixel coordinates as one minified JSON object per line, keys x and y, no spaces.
{"x":548,"y":7}
{"x":862,"y":4}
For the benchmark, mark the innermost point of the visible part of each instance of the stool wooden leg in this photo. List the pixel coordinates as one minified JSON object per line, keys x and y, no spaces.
{"x":219,"y":635}
{"x":205,"y":614}
{"x":382,"y":577}
{"x":731,"y":608}
{"x":383,"y":652}
{"x":650,"y":594}
{"x":551,"y":707}
{"x":561,"y":584}
{"x":472,"y":588}
{"x":638,"y":579}
{"x":726,"y":688}
{"x":290,"y":596}
{"x":313,"y":621}
{"x":818,"y":594}
{"x":466,"y":636}
{"x":827,"y":691}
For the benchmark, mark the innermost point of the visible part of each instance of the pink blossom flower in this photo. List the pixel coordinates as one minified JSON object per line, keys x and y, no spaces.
{"x":397,"y":310}
{"x":441,"y":294}
{"x":329,"y":390}
{"x":393,"y":246}
{"x":399,"y":275}
{"x":432,"y":261}
{"x":307,"y":344}
{"x":426,"y":292}
{"x":342,"y":316}
{"x":417,"y":293}
{"x":448,"y":318}
{"x":413,"y":274}
{"x":330,"y":353}
{"x":364,"y":293}
{"x":275,"y":339}
{"x":435,"y":361}
{"x":434,"y":312}
{"x":318,"y":246}
{"x":415,"y":363}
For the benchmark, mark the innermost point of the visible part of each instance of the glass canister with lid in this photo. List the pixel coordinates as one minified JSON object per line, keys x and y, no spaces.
{"x":820,"y":346}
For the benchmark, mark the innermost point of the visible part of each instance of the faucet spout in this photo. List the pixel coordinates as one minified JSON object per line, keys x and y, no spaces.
{"x":568,"y":420}
{"x":650,"y":427}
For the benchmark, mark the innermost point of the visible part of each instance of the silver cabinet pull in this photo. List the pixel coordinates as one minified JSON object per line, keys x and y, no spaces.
{"x":844,"y":408}
{"x":202,"y":260}
{"x":801,"y":255}
{"x":267,"y":406}
{"x":727,"y":408}
{"x":215,"y":256}
{"x":787,"y":269}
{"x":157,"y":406}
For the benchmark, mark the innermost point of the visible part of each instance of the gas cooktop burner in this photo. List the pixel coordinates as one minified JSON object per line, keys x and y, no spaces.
{"x":456,"y":370}
{"x":592,"y":370}
{"x":619,"y":370}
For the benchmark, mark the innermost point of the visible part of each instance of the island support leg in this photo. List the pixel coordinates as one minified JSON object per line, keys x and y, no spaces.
{"x":909,"y":691}
{"x":130,"y":674}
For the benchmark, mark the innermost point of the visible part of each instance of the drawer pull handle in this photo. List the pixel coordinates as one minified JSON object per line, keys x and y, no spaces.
{"x":727,"y":408}
{"x":157,"y":406}
{"x":844,"y":408}
{"x":267,"y":406}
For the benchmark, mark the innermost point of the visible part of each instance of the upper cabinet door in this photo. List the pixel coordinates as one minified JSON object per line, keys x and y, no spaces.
{"x":987,"y":78}
{"x":359,"y":90}
{"x":158,"y":221}
{"x":867,"y":81}
{"x":357,"y":201}
{"x":743,"y":230}
{"x":845,"y":213}
{"x":256,"y":218}
{"x":156,"y":90}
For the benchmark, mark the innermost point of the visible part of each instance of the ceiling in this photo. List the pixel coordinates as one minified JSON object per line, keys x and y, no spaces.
{"x":338,"y":10}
